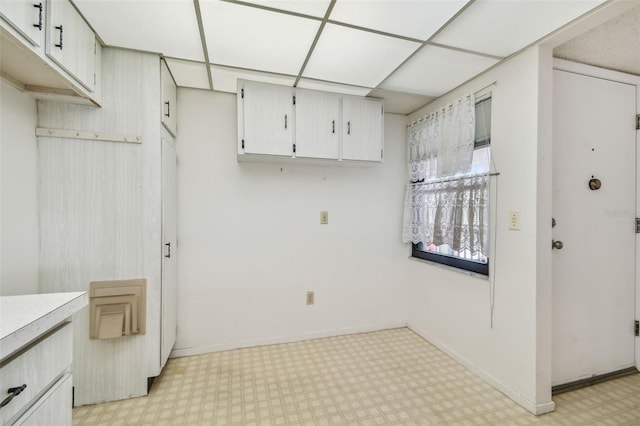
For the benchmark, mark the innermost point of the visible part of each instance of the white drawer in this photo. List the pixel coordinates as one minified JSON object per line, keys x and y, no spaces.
{"x":39,"y":367}
{"x":53,"y":409}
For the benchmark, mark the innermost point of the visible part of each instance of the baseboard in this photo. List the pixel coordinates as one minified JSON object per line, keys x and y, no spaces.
{"x":520,"y":399}
{"x":198,"y":350}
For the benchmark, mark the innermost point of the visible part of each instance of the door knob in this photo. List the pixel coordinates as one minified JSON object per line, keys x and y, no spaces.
{"x":557,"y":244}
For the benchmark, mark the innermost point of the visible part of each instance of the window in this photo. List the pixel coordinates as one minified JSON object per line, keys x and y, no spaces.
{"x":464,"y":201}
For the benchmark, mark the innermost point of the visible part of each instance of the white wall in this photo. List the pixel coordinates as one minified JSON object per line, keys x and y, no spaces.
{"x":452,"y":309}
{"x":251,"y":244}
{"x":18,"y":177}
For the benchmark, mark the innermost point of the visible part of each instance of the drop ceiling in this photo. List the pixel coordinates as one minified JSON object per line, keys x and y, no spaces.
{"x":407,"y":52}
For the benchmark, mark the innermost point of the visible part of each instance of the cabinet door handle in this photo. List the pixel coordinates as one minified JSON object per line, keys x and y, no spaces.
{"x":13,"y":392}
{"x":39,"y":24}
{"x":285,"y":121}
{"x":168,"y":255}
{"x":348,"y":127}
{"x":168,"y":113}
{"x":333,"y":126}
{"x":59,"y":27}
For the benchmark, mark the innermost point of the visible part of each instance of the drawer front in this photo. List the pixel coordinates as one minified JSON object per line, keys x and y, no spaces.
{"x":39,"y":366}
{"x":53,"y":409}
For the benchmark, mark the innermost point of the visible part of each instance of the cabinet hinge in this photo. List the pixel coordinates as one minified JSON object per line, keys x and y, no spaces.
{"x":637,"y":328}
{"x":242,"y":143}
{"x":242,"y":93}
{"x":637,"y":225}
{"x":381,"y":153}
{"x":638,"y":122}
{"x":294,"y":99}
{"x":294,"y":148}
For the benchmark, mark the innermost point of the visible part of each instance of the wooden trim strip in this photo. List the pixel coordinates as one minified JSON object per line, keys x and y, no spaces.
{"x":93,"y":136}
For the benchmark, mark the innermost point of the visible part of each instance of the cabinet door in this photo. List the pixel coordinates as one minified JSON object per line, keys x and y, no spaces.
{"x":268,"y":119}
{"x":70,"y":42}
{"x":169,"y":100}
{"x":26,"y":17}
{"x":317,"y":124}
{"x":362,"y":121}
{"x":170,"y":250}
{"x":53,"y":408}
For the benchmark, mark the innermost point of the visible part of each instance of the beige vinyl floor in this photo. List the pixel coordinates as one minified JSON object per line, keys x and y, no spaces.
{"x":391,"y":377}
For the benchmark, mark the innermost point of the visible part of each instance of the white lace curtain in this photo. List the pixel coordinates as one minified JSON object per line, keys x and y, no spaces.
{"x":444,"y":205}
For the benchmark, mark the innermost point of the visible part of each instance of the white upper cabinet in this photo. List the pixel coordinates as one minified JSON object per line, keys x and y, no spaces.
{"x":26,"y":17}
{"x":317,"y":124}
{"x":307,"y":124}
{"x":267,"y":127}
{"x":362,"y":129}
{"x":70,"y":42}
{"x":169,"y":100}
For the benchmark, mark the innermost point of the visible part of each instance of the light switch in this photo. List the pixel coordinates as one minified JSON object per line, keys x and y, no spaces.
{"x":324,"y":218}
{"x":514,"y":220}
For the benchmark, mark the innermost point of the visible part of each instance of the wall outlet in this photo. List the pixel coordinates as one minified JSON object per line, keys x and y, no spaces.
{"x":310,"y":298}
{"x":514,"y":220}
{"x":324,"y":218}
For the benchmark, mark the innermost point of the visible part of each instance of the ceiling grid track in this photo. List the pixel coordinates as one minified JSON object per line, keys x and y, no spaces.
{"x":203,"y":39}
{"x":315,"y":42}
{"x":407,"y":53}
{"x":428,"y":41}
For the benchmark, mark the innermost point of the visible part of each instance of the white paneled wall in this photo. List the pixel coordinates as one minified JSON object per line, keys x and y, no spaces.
{"x":251,"y":243}
{"x":100,"y":216}
{"x":18,"y":196}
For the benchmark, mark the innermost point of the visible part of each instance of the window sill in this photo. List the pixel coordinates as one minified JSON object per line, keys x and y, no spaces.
{"x":451,"y":268}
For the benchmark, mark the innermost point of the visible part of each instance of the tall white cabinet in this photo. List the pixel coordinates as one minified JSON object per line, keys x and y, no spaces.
{"x":107,"y":209}
{"x":170,"y":248}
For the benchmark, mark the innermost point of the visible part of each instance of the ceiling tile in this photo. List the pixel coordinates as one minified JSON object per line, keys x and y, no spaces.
{"x":306,"y":83}
{"x":142,"y":25}
{"x":247,"y":37}
{"x":189,"y":74}
{"x":433,"y":71}
{"x":315,"y":8}
{"x":349,"y":56}
{"x":225,"y":79}
{"x":500,"y":28}
{"x":409,"y":18}
{"x":400,"y":103}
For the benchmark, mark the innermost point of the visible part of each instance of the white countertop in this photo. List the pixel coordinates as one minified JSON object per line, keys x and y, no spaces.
{"x":24,"y":318}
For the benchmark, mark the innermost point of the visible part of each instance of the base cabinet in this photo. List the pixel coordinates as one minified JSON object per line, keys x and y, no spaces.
{"x":54,"y":408}
{"x":36,"y":357}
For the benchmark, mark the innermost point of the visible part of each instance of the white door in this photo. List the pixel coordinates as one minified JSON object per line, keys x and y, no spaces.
{"x":70,"y":42}
{"x":317,"y":124}
{"x":268,"y":119}
{"x":169,"y":99}
{"x":28,"y":18}
{"x":594,"y":271}
{"x":170,"y":250}
{"x":361,"y":129}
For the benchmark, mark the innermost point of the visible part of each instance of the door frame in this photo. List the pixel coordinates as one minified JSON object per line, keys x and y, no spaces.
{"x":591,"y":71}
